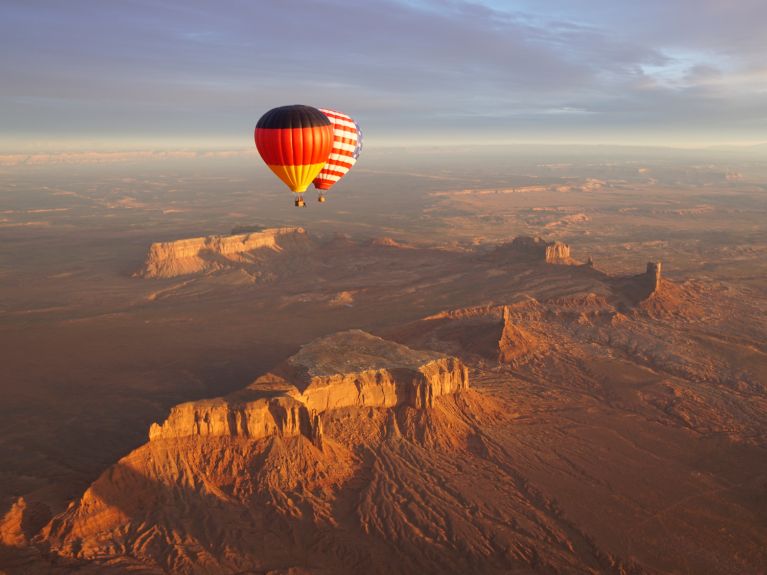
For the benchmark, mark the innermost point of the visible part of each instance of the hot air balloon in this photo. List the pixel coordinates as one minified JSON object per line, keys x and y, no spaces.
{"x":347,"y":144}
{"x":295,"y":142}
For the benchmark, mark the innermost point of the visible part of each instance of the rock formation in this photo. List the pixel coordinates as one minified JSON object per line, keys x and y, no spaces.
{"x":515,"y":343}
{"x":653,"y":276}
{"x":557,"y":252}
{"x":347,"y":369}
{"x":211,"y":253}
{"x":240,"y":483}
{"x":538,"y":248}
{"x":487,"y":333}
{"x":388,"y":242}
{"x":529,"y":244}
{"x":362,"y":455}
{"x":22,"y":521}
{"x":645,"y":289}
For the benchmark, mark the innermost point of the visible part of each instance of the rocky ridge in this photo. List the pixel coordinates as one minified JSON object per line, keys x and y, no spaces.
{"x":211,"y":253}
{"x":249,"y":251}
{"x":491,"y":333}
{"x":537,"y":248}
{"x":252,"y":466}
{"x":653,"y":276}
{"x":356,"y":447}
{"x":351,"y":369}
{"x":648,"y":289}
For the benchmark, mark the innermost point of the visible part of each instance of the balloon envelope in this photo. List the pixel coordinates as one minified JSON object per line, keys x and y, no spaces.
{"x":295,"y":142}
{"x":347,"y":144}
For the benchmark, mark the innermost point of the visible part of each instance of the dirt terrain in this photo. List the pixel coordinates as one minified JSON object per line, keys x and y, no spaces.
{"x":614,"y":417}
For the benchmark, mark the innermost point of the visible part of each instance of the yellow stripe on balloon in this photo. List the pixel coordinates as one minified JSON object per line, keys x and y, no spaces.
{"x":297,"y":178}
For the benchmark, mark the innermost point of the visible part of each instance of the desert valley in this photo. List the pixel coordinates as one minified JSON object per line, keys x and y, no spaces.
{"x":557,"y":366}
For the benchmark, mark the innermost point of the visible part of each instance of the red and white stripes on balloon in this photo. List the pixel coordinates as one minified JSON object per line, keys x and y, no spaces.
{"x":346,"y":146}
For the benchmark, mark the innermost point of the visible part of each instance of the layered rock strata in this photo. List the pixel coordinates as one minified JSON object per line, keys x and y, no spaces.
{"x":492,"y":333}
{"x":347,"y":369}
{"x":653,"y":276}
{"x":557,"y":252}
{"x":194,"y":255}
{"x":539,"y":249}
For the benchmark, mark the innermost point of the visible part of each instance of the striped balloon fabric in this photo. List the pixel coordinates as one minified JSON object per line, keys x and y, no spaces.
{"x":347,"y":144}
{"x":295,"y":142}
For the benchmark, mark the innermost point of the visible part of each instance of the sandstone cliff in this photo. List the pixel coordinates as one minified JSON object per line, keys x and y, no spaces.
{"x":225,"y":485}
{"x":652,"y":276}
{"x":211,"y":253}
{"x":515,"y":342}
{"x":647,"y":289}
{"x":22,"y":521}
{"x":360,"y":455}
{"x":557,"y":252}
{"x":492,"y":333}
{"x":536,"y":248}
{"x":348,"y":369}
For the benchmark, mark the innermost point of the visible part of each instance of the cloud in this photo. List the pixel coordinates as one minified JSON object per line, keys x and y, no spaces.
{"x":184,"y":67}
{"x":99,"y":157}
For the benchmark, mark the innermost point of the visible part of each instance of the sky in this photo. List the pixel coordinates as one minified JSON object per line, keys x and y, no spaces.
{"x":114,"y":74}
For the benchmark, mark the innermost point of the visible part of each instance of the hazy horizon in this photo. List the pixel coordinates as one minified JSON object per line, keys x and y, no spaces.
{"x":83,"y":155}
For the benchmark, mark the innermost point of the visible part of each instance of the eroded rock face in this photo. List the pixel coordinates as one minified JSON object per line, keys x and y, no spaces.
{"x":221,"y":481}
{"x":253,"y":419}
{"x":653,"y":276}
{"x":347,"y":369}
{"x":538,"y":248}
{"x":22,"y":521}
{"x":649,"y":291}
{"x":515,"y":342}
{"x":493,"y":333}
{"x":194,"y":255}
{"x":557,"y":252}
{"x":453,"y":488}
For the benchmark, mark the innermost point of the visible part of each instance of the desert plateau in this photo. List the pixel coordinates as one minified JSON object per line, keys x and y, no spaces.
{"x":561,"y":372}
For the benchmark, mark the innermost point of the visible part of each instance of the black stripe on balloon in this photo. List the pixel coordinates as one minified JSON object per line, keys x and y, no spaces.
{"x":296,"y":116}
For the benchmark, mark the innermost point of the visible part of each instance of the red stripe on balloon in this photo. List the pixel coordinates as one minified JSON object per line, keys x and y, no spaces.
{"x":294,"y":146}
